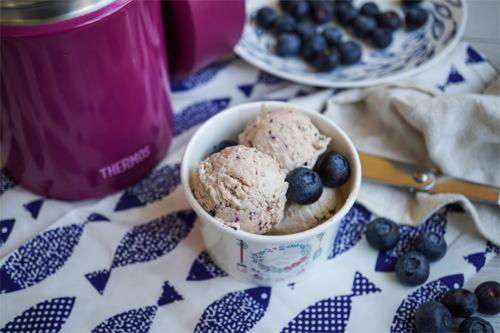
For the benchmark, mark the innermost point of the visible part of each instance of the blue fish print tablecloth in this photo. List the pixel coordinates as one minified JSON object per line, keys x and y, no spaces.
{"x":134,"y":261}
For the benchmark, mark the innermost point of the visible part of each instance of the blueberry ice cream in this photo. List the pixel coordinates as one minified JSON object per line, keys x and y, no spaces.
{"x":242,"y":187}
{"x":289,"y":137}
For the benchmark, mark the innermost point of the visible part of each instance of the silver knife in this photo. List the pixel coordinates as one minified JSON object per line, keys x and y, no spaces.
{"x":416,"y":178}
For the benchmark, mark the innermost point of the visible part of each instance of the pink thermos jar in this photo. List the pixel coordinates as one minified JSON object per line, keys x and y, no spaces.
{"x":84,"y":91}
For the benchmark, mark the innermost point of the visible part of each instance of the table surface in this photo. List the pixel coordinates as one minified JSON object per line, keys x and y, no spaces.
{"x":482,"y":32}
{"x":485,"y":37}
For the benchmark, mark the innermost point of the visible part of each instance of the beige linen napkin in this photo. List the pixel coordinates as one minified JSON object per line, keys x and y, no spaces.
{"x":458,"y":135}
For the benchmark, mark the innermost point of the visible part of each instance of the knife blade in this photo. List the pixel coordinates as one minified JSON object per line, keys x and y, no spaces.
{"x":417,"y":178}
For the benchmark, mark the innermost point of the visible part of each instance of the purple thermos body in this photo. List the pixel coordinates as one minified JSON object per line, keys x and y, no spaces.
{"x":85,"y":107}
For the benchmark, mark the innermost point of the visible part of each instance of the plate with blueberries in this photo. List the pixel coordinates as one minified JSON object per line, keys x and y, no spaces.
{"x":349,"y":43}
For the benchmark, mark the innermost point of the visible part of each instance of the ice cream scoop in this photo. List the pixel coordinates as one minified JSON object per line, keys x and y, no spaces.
{"x":288,"y":136}
{"x":242,"y":187}
{"x":302,"y":217}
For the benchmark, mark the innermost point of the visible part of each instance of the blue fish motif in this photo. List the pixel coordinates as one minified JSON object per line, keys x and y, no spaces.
{"x":47,"y":316}
{"x":201,"y":77}
{"x":268,"y":78}
{"x":386,"y":260}
{"x":237,"y":311}
{"x":6,"y":227}
{"x":198,"y":113}
{"x":350,"y":230}
{"x":330,"y":314}
{"x":204,"y":268}
{"x":473,"y":57}
{"x":476,"y":259}
{"x":454,"y":77}
{"x":151,"y":188}
{"x":263,"y":78}
{"x":6,"y":182}
{"x":42,"y":256}
{"x":138,"y":320}
{"x":479,"y":259}
{"x":404,"y":320}
{"x":34,"y":207}
{"x":247,"y":89}
{"x":146,"y":242}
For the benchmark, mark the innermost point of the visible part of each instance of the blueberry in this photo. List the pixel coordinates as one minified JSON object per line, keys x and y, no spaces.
{"x":433,"y":317}
{"x":364,"y":26}
{"x":326,"y":61}
{"x":460,"y":302}
{"x":412,"y":268}
{"x":350,"y":52}
{"x":382,"y":234}
{"x":304,"y":186}
{"x":415,"y":18}
{"x":369,"y":9}
{"x":333,"y":36}
{"x":381,"y":38}
{"x":475,"y":325}
{"x":305,"y":30}
{"x":288,"y":45}
{"x":300,"y":9}
{"x":346,"y":14}
{"x":266,"y":17}
{"x":284,"y":24}
{"x":488,"y":295}
{"x":389,"y":20}
{"x":333,"y":169}
{"x":313,"y":46}
{"x":431,"y":245}
{"x":223,"y":144}
{"x":322,"y":11}
{"x":411,"y":2}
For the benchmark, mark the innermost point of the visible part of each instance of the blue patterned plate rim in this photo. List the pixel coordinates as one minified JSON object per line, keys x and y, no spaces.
{"x":315,"y":79}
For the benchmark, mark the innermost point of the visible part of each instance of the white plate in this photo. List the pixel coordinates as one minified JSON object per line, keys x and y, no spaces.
{"x":409,"y":54}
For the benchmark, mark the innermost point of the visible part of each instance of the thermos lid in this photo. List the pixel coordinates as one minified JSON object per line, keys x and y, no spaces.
{"x":27,"y":12}
{"x":200,"y":31}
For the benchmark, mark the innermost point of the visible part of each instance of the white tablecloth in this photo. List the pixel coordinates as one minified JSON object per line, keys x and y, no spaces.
{"x":134,"y":261}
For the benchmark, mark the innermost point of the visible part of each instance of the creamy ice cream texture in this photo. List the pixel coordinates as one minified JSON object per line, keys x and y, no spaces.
{"x":288,"y":136}
{"x":303,"y":217}
{"x":243,"y":187}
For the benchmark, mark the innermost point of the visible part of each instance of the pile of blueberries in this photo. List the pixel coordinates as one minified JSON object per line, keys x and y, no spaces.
{"x":412,"y":268}
{"x":306,"y":28}
{"x":460,"y":303}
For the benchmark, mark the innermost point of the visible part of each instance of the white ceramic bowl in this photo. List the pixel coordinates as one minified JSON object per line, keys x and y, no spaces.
{"x":261,"y":259}
{"x":410,"y":53}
